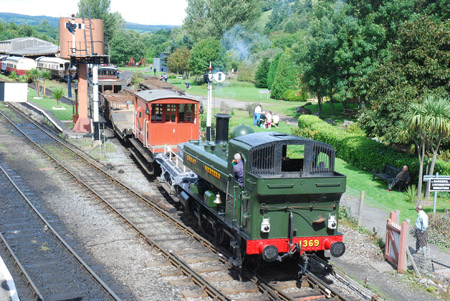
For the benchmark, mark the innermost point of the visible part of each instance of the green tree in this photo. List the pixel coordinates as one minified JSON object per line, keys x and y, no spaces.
{"x":428,"y":124}
{"x":156,"y":43}
{"x":286,"y":76}
{"x":280,"y":12}
{"x":212,"y":18}
{"x":273,"y":70}
{"x":34,"y":76}
{"x":261,"y":73}
{"x":418,"y":66}
{"x":178,"y":60}
{"x":58,"y":93}
{"x":126,"y":44}
{"x":206,"y":51}
{"x":100,"y":9}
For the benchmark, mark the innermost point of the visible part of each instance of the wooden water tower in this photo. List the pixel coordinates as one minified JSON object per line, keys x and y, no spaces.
{"x":81,"y":41}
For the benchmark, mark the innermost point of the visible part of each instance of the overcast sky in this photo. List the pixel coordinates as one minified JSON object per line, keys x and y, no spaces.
{"x":148,"y":12}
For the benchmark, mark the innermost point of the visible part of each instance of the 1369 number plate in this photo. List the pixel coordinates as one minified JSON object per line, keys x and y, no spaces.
{"x":309,"y":243}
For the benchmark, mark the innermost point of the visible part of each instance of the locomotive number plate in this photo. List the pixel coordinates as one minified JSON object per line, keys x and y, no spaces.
{"x":309,"y":243}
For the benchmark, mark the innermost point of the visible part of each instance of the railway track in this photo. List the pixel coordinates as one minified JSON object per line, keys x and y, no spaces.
{"x":49,"y":266}
{"x":190,"y":255}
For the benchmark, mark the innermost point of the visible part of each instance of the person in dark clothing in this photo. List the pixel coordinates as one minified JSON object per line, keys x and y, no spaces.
{"x":403,"y":178}
{"x":238,"y":169}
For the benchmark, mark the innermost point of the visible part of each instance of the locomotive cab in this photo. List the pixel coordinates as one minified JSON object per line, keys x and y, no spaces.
{"x":291,"y":195}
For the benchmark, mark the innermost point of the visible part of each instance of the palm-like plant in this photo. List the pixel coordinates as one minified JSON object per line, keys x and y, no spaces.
{"x":58,"y":93}
{"x":13,"y":75}
{"x":429,"y":122}
{"x":34,"y":75}
{"x":46,"y":75}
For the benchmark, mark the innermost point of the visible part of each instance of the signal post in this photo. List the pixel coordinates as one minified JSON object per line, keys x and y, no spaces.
{"x":82,"y":42}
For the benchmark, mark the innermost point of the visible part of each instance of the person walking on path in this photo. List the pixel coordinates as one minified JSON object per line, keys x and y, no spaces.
{"x":420,"y":230}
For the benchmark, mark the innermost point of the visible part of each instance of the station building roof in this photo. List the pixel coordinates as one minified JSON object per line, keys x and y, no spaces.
{"x":28,"y":47}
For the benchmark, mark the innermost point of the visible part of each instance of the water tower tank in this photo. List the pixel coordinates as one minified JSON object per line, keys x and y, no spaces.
{"x":83,"y":37}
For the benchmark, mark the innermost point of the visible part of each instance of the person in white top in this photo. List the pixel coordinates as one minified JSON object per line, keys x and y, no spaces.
{"x":420,"y":229}
{"x":275,"y":119}
{"x":257,"y":114}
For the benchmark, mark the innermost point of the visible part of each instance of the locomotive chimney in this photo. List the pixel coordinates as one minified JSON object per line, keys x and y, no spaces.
{"x":222,"y":121}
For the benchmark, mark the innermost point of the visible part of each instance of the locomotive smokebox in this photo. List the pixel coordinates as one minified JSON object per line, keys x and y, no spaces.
{"x":222,"y":121}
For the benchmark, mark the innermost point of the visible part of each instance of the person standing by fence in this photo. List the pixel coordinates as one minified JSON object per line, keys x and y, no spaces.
{"x":421,"y":230}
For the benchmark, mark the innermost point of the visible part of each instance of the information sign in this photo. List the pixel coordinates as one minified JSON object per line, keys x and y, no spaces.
{"x":440,"y":184}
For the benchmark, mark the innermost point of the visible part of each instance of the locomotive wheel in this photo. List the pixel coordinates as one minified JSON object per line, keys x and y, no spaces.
{"x":220,"y":236}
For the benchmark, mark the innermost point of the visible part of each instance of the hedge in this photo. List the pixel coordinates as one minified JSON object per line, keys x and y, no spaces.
{"x":362,"y":152}
{"x":291,"y":95}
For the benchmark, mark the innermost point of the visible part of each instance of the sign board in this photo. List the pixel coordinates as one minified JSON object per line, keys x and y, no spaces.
{"x":440,"y":184}
{"x":219,"y":77}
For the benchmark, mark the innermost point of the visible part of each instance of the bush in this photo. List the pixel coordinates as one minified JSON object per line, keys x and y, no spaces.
{"x":286,"y":76}
{"x":172,"y":76}
{"x":246,"y":72}
{"x":250,"y":108}
{"x":261,"y":73}
{"x":358,"y":150}
{"x":411,"y":193}
{"x":294,"y":95}
{"x":273,"y":70}
{"x":439,"y":231}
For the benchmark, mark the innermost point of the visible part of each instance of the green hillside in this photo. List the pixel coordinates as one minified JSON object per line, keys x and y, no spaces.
{"x":53,"y":21}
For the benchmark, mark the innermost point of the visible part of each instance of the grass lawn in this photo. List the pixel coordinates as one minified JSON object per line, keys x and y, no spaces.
{"x":241,"y":91}
{"x":52,"y":84}
{"x":49,"y":104}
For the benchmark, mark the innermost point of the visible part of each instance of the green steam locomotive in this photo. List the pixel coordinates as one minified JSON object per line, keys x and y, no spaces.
{"x":286,"y":204}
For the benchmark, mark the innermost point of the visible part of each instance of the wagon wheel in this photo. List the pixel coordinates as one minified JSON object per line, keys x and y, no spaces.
{"x":219,"y":235}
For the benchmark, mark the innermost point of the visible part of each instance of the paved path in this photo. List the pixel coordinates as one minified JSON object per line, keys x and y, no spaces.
{"x":375,"y":218}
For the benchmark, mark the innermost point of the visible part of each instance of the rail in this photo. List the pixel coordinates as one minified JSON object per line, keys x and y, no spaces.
{"x":20,"y":266}
{"x":208,"y":288}
{"x":59,"y":237}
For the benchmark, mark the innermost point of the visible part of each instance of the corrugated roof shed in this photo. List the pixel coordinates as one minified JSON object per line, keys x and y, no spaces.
{"x":20,"y":45}
{"x":37,"y":50}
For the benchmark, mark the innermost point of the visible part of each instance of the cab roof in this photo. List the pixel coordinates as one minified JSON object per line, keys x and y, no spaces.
{"x":256,"y":139}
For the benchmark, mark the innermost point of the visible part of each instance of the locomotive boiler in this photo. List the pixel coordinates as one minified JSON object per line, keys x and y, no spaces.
{"x":287,"y":206}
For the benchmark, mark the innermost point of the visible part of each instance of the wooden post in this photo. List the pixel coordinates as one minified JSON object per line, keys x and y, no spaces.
{"x":402,"y":248}
{"x":386,"y":245}
{"x":392,"y":216}
{"x":413,"y":264}
{"x":360,"y":209}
